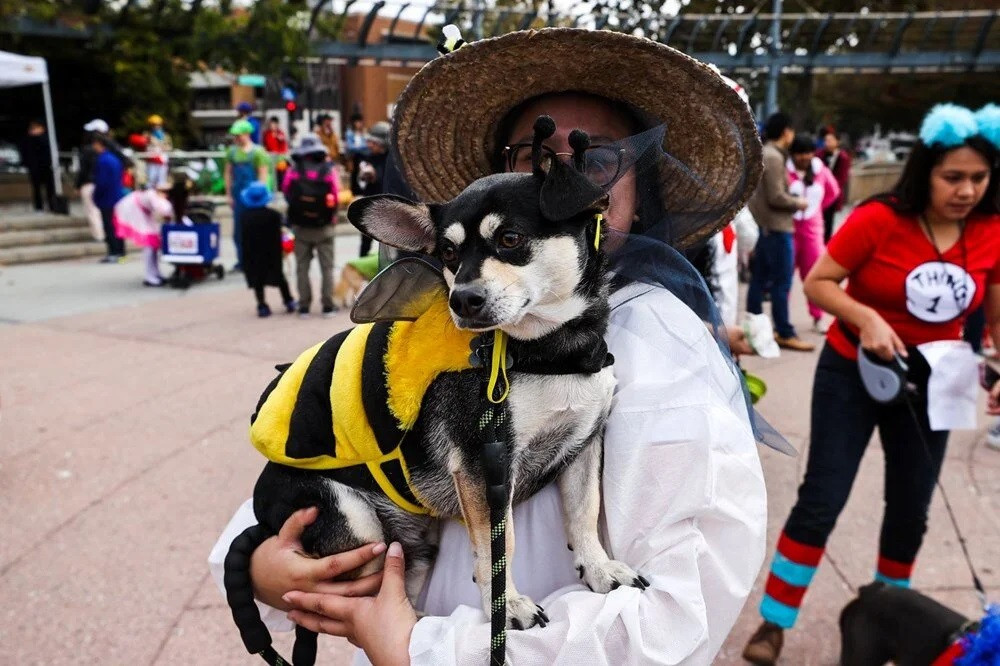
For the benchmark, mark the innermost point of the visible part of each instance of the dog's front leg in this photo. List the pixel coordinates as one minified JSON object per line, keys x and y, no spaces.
{"x":580,"y":487}
{"x":522,"y":612}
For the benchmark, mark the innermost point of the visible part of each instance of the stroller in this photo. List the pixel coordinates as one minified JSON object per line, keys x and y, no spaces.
{"x":192,"y":245}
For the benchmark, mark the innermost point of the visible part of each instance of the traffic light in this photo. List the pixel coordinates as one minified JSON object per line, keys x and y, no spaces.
{"x":288,"y":94}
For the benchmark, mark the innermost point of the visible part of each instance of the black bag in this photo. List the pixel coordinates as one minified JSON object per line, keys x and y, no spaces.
{"x":307,"y":199}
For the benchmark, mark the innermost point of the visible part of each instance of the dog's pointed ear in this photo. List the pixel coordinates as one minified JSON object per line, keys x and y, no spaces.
{"x":394,"y":221}
{"x":567,"y":193}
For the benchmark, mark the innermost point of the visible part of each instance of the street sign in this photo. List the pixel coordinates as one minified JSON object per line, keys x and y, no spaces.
{"x":252,"y":80}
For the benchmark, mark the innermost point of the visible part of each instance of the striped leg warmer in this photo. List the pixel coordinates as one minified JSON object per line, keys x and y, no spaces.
{"x":893,"y":572}
{"x":792,"y":570}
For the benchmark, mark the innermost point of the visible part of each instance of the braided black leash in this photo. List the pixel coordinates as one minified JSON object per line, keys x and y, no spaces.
{"x":490,"y":353}
{"x":239,"y":595}
{"x":496,"y":468}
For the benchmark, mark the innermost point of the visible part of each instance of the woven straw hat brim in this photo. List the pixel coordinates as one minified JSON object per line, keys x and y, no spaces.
{"x":447,"y":117}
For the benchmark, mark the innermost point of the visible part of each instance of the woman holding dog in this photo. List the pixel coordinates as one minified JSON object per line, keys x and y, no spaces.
{"x":918,"y":260}
{"x":682,"y":492}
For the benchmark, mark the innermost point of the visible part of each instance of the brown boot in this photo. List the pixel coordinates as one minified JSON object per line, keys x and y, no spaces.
{"x":765,"y":645}
{"x":794,"y":343}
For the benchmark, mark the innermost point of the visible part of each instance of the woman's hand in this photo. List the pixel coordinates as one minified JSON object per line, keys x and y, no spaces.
{"x":279,"y":565}
{"x":380,"y":625}
{"x":738,"y":343}
{"x":878,"y":337}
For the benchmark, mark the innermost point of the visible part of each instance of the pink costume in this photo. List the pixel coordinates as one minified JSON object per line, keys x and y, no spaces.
{"x":809,"y":223}
{"x":138,"y":217}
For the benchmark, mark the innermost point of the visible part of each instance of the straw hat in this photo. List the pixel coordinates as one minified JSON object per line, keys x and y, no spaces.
{"x":445,"y":122}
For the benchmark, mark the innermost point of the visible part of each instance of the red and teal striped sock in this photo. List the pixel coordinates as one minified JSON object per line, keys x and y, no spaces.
{"x":893,"y":572}
{"x":792,"y":570}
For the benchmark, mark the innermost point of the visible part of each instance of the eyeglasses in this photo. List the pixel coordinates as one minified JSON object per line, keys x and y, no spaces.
{"x":602,"y":164}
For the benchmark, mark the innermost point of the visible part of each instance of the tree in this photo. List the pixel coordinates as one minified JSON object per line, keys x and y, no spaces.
{"x":129,"y":60}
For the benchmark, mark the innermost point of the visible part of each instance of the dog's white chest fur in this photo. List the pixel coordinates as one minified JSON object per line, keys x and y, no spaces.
{"x":547,"y":411}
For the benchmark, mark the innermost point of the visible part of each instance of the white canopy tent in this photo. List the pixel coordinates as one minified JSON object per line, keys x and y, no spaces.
{"x":18,"y":70}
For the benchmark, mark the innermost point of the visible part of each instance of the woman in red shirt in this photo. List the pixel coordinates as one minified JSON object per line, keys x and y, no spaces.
{"x":918,"y":259}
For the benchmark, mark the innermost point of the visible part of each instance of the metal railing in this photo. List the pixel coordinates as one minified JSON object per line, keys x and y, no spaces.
{"x":834,"y":42}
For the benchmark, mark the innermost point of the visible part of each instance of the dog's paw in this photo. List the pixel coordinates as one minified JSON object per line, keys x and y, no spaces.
{"x":523,"y":613}
{"x":609,"y":575}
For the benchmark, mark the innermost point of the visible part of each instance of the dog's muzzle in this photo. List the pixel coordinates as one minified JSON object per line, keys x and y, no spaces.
{"x":468,"y":302}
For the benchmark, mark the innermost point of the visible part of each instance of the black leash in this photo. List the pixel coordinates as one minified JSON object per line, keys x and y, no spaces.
{"x":496,"y":468}
{"x":239,"y":595}
{"x":491,"y":354}
{"x":908,"y":393}
{"x":976,"y":583}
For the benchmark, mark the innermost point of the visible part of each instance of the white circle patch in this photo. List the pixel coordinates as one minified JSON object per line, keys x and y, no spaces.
{"x":937,"y":292}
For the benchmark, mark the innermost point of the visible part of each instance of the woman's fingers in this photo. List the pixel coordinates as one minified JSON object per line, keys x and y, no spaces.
{"x":362,"y":587}
{"x":900,"y":348}
{"x":291,"y":531}
{"x":332,"y":606}
{"x":337,"y":564}
{"x":320,"y":624}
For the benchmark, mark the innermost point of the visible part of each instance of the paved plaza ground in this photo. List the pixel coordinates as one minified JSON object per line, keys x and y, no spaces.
{"x":123,"y":452}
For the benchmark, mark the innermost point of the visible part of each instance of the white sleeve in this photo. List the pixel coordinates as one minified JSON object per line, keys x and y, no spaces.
{"x":276,"y":620}
{"x":683,"y":503}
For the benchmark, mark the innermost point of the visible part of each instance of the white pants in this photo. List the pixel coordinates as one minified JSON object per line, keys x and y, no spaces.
{"x":156,"y":173}
{"x":151,"y":265}
{"x":92,"y":212}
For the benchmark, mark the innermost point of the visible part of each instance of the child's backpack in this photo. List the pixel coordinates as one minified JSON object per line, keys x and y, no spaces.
{"x":310,"y":200}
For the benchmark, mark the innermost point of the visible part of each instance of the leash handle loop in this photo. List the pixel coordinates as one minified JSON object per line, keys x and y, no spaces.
{"x":498,"y":368}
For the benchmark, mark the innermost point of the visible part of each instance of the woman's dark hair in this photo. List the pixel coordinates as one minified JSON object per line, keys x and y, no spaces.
{"x":803,"y":143}
{"x":775,"y":125}
{"x":178,"y":196}
{"x":911,"y":193}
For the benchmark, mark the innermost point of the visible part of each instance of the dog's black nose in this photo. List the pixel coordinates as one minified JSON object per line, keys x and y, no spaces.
{"x":468,"y":301}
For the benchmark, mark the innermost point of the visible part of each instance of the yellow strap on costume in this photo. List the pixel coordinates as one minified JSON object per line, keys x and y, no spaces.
{"x":355,"y":441}
{"x":498,"y":366}
{"x":597,"y":234}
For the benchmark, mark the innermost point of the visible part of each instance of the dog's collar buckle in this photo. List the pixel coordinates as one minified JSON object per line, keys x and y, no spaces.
{"x":482,"y":352}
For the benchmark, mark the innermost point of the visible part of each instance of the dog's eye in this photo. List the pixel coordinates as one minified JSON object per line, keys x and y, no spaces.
{"x":510,"y":239}
{"x":448,"y":253}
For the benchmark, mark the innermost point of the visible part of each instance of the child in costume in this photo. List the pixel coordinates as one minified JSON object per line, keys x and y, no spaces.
{"x":809,"y":178}
{"x":262,"y":248}
{"x":137,"y":217}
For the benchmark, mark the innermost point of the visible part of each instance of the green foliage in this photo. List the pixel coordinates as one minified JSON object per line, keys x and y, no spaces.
{"x":135,"y":62}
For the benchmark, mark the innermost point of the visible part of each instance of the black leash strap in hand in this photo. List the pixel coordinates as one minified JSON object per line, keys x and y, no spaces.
{"x":976,"y":583}
{"x":239,"y":595}
{"x":496,"y":469}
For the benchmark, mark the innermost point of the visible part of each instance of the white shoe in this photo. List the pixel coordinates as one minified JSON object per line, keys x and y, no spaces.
{"x":993,"y":435}
{"x":821,"y":326}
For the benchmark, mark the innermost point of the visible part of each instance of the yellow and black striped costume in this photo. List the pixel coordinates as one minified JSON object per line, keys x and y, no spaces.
{"x":346,"y":404}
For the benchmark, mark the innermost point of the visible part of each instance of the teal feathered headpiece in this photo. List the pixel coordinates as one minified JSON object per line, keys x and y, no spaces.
{"x":949,"y":125}
{"x":988,"y":120}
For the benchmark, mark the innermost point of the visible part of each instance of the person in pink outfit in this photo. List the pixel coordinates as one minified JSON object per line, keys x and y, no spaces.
{"x":137,"y":218}
{"x":809,"y":178}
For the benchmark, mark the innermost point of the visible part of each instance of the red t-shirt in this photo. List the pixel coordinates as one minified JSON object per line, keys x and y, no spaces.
{"x":275,"y":141}
{"x":895,"y":270}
